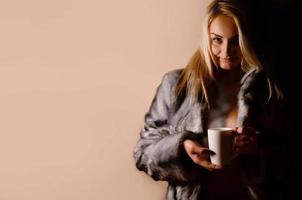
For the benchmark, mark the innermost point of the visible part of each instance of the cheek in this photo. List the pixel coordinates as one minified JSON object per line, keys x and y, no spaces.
{"x":237,"y":52}
{"x":215,"y":50}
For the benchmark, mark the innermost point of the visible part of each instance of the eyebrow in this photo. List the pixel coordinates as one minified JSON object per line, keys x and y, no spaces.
{"x":216,"y":35}
{"x":233,"y":37}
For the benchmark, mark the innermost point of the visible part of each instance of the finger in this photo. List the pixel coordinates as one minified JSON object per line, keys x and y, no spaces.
{"x":217,"y":167}
{"x":246,"y":149}
{"x":196,"y":158}
{"x":246,"y":130}
{"x":206,"y":151}
{"x":240,"y":147}
{"x":239,"y":130}
{"x":241,"y":141}
{"x":200,"y":157}
{"x":203,"y":159}
{"x":245,"y":139}
{"x":249,"y":131}
{"x":209,"y":166}
{"x":242,"y":137}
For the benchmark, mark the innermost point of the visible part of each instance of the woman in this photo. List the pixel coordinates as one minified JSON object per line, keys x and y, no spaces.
{"x":223,"y":85}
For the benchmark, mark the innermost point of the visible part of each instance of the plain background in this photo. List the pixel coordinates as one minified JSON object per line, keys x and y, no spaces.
{"x":76,"y":78}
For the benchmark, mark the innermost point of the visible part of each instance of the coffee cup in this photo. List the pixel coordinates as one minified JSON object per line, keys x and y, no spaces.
{"x":220,"y":141}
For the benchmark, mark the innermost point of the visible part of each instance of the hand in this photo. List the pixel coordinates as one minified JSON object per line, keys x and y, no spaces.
{"x":200,"y":155}
{"x":245,"y":142}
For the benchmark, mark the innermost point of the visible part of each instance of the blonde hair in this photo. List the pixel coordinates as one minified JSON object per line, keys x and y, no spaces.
{"x":199,"y":72}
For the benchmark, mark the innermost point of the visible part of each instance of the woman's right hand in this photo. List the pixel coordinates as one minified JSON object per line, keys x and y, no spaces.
{"x":199,"y":155}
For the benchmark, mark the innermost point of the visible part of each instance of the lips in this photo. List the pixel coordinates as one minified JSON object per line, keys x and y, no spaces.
{"x":226,"y":60}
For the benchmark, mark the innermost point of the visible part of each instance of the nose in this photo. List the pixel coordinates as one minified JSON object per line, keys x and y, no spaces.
{"x":225,"y":51}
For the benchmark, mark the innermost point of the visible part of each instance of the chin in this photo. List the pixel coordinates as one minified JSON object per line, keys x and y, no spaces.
{"x":228,"y":66}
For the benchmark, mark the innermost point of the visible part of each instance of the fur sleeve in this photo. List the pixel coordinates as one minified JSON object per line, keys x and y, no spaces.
{"x":253,"y":100}
{"x":159,"y":151}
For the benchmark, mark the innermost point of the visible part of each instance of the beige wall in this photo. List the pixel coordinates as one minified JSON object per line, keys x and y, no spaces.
{"x":76,"y":78}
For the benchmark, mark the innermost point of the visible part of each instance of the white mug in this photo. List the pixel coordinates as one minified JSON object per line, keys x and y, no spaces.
{"x":220,"y":141}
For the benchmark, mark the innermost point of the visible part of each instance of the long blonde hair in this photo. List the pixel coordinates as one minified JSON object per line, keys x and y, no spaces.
{"x":199,"y":72}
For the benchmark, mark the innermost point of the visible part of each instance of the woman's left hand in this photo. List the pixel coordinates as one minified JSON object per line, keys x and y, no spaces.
{"x":245,"y":142}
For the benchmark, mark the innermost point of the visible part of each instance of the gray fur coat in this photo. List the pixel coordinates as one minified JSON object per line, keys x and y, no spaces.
{"x":159,"y":151}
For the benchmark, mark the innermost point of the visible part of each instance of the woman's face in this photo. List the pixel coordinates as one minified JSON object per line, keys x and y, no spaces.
{"x":225,"y":42}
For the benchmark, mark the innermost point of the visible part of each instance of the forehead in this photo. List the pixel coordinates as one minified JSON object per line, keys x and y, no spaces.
{"x":224,"y":26}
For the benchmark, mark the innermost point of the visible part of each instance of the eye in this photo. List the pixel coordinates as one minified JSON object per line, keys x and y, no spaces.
{"x":216,"y":40}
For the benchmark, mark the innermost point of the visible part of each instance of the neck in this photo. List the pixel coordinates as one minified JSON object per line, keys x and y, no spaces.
{"x":231,"y":76}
